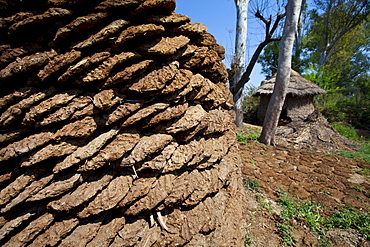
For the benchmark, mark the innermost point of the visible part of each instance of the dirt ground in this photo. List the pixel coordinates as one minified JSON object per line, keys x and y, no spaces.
{"x":328,"y":179}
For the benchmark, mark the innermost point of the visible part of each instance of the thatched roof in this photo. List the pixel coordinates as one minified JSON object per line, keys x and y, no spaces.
{"x":298,"y":86}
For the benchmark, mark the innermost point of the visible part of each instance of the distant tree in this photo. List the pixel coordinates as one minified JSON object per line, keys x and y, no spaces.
{"x":283,"y":73}
{"x":238,"y":66}
{"x":241,"y":71}
{"x":331,"y":21}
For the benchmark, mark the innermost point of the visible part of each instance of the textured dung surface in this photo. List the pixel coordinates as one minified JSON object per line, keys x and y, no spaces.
{"x":116,"y":128}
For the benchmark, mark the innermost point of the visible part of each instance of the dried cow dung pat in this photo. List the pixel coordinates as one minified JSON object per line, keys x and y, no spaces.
{"x":156,"y":79}
{"x":145,"y":147}
{"x":104,"y":69}
{"x":22,"y":65}
{"x":79,"y":23}
{"x":137,"y":31}
{"x":165,"y":45}
{"x":103,"y":34}
{"x":123,"y":136}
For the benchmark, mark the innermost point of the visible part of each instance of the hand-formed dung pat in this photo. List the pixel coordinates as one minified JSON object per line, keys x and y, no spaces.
{"x":57,"y":188}
{"x":80,"y":23}
{"x":34,"y":228}
{"x":15,"y":187}
{"x":122,"y":143}
{"x":158,"y":193}
{"x":131,"y":233}
{"x":29,"y":191}
{"x":82,"y":234}
{"x":140,"y":187}
{"x":104,"y":69}
{"x":219,"y":121}
{"x":107,"y":232}
{"x":109,"y":4}
{"x":106,"y":99}
{"x":166,"y":115}
{"x":83,"y":193}
{"x":149,"y":4}
{"x":25,"y":145}
{"x":181,"y":79}
{"x":10,"y":54}
{"x":57,"y":100}
{"x":15,"y":96}
{"x":103,"y":34}
{"x":109,"y":197}
{"x":27,"y":63}
{"x":192,"y":117}
{"x":6,"y":22}
{"x":161,"y":160}
{"x":143,"y":113}
{"x":49,"y":15}
{"x":53,"y":234}
{"x":57,"y":63}
{"x":165,"y":45}
{"x":156,"y":79}
{"x":127,"y":73}
{"x":85,"y":152}
{"x":137,"y":31}
{"x":145,"y":147}
{"x":8,"y":227}
{"x":63,"y":113}
{"x":82,"y":65}
{"x":50,"y":151}
{"x":174,"y":18}
{"x":191,"y":28}
{"x":81,"y":128}
{"x":122,"y":111}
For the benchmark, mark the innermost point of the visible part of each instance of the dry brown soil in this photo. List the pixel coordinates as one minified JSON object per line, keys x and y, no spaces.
{"x":328,"y":179}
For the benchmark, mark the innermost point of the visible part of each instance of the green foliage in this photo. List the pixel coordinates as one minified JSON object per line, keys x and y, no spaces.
{"x":338,"y":63}
{"x":250,"y":106}
{"x":365,"y":172}
{"x":252,"y":185}
{"x":241,"y":138}
{"x":247,"y":240}
{"x":286,"y":234}
{"x":349,"y":109}
{"x":252,"y":134}
{"x":294,"y":208}
{"x":345,"y":130}
{"x":363,"y":153}
{"x":349,"y":218}
{"x":346,"y":218}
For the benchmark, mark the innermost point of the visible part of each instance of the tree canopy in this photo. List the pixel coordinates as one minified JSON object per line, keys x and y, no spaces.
{"x":335,"y":54}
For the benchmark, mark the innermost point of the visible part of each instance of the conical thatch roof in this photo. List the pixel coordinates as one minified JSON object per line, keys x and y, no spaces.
{"x":298,"y":86}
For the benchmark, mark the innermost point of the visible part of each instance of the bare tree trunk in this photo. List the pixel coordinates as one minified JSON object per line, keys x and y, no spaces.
{"x":283,"y":74}
{"x":239,"y":58}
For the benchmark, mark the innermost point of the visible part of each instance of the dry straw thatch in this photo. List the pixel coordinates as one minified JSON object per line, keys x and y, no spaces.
{"x":298,"y":104}
{"x":298,"y":86}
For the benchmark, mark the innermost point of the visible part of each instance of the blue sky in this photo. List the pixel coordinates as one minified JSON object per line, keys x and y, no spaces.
{"x":220,"y":18}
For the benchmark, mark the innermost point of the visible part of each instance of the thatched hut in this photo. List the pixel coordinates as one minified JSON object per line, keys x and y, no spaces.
{"x":299,"y":99}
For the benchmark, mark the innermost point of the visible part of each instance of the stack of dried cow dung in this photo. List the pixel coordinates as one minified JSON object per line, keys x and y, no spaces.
{"x":116,"y":127}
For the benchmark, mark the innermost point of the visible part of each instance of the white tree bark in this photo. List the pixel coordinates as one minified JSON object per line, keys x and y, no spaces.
{"x":283,"y":73}
{"x":240,"y":55}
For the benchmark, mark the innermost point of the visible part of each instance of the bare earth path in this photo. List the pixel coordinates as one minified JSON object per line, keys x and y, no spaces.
{"x":331,"y":180}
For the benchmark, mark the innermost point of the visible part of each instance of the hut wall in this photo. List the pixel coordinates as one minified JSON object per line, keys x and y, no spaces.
{"x":262,"y":108}
{"x":298,"y":108}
